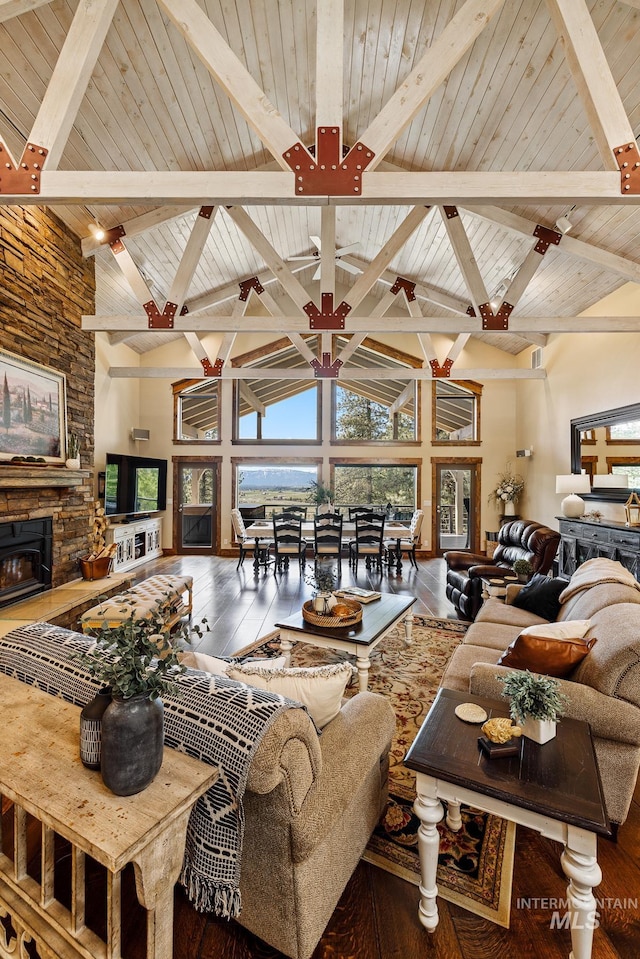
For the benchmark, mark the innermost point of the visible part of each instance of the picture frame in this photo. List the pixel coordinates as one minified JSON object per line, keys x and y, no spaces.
{"x":33,"y":410}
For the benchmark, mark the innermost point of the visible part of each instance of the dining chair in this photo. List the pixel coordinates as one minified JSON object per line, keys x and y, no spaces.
{"x":407,"y":544}
{"x":298,"y":512}
{"x":287,"y":540}
{"x":368,"y":541}
{"x":327,"y":537}
{"x":248,"y":544}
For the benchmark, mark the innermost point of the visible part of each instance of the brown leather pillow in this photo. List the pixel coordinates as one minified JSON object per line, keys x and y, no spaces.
{"x":554,"y":649}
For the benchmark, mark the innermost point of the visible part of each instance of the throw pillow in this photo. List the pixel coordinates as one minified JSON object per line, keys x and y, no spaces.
{"x":220,"y":667}
{"x":554,"y":649}
{"x":319,"y":688}
{"x":541,"y":596}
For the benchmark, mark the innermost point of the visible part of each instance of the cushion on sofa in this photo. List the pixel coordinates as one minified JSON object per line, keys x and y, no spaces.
{"x":495,"y":611}
{"x":613,"y":668}
{"x":319,"y":688}
{"x":585,"y":604}
{"x":554,"y":649}
{"x":496,"y":636}
{"x":541,"y":596}
{"x":220,"y":667}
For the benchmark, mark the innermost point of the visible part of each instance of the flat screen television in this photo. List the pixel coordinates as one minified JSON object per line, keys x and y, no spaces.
{"x":134,"y":485}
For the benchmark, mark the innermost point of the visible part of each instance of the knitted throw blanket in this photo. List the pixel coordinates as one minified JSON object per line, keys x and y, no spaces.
{"x":594,"y":571}
{"x":215,"y":719}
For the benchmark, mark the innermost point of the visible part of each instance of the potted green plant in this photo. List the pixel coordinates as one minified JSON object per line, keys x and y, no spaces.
{"x":73,"y":452}
{"x":138,"y":660}
{"x":535,"y":703}
{"x":321,"y":495}
{"x":523,"y":570}
{"x":323,"y":580}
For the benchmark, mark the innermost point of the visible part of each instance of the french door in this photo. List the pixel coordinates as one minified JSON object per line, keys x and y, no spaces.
{"x":456,"y":514}
{"x":195,"y":505}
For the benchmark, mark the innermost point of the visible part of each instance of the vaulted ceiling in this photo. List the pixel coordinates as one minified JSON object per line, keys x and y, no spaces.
{"x":445,"y":138}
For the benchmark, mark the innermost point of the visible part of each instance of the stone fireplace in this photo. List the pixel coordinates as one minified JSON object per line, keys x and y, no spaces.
{"x":25,"y":559}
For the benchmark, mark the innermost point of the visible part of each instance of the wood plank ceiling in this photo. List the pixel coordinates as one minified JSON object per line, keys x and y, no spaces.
{"x":505,"y":111}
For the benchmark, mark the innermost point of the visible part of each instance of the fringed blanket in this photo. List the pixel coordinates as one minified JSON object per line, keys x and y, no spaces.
{"x":215,"y":719}
{"x":594,"y":571}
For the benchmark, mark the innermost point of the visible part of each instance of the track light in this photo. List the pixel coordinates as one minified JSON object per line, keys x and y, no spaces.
{"x":563,"y":224}
{"x":98,"y":232}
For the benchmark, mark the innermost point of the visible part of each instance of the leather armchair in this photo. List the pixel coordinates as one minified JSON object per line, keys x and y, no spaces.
{"x":519,"y":539}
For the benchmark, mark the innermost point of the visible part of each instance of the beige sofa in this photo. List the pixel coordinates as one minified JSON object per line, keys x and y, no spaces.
{"x":604,"y":689}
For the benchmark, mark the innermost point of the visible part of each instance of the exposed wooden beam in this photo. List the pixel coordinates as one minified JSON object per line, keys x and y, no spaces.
{"x":79,"y":187}
{"x":232,"y":76}
{"x":431,"y":70}
{"x":274,"y":261}
{"x":328,"y":249}
{"x":592,"y":77}
{"x":250,"y":397}
{"x":71,"y":76}
{"x":464,"y":256}
{"x":422,"y":290}
{"x":301,"y":373}
{"x":380,"y":262}
{"x":570,"y":245}
{"x":137,"y":225}
{"x":329,"y":63}
{"x":15,"y":8}
{"x":407,"y":395}
{"x":204,"y":323}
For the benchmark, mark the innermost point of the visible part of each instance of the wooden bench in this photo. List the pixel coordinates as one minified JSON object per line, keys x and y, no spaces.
{"x":162,"y":596}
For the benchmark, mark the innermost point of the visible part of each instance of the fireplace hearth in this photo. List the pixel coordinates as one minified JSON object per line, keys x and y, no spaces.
{"x":25,"y":559}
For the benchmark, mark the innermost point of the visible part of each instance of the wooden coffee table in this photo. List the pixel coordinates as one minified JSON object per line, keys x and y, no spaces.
{"x":378,"y":619}
{"x":554,"y":789}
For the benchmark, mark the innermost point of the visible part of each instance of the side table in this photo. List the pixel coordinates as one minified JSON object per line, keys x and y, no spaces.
{"x":554,"y":789}
{"x":41,"y":773}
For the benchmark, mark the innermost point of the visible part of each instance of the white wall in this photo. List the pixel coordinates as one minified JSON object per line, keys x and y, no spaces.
{"x":586,"y":373}
{"x":117,"y":401}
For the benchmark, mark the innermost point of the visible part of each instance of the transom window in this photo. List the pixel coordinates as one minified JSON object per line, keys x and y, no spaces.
{"x":197,"y":411}
{"x":456,"y":412}
{"x":277,"y":411}
{"x":375,"y":411}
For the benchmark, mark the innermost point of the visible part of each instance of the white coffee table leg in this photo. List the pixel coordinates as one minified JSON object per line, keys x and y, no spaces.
{"x":453,"y":818}
{"x":408,"y":626}
{"x":429,"y":811}
{"x":581,"y":868}
{"x":363,"y":664}
{"x":285,"y":648}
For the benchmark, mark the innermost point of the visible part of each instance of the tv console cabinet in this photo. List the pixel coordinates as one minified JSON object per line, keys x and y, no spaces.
{"x":136,"y":542}
{"x":582,"y":539}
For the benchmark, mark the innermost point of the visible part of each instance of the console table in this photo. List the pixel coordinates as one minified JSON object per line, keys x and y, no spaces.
{"x":41,"y":774}
{"x":582,"y":539}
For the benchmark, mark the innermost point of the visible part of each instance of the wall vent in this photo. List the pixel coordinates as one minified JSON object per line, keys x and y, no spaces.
{"x":536,"y":358}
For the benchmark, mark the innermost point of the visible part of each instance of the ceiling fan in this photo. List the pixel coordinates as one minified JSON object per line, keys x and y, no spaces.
{"x":338,"y":256}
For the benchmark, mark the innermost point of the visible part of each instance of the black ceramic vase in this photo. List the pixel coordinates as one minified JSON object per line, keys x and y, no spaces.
{"x":91,"y":728}
{"x":132,"y":743}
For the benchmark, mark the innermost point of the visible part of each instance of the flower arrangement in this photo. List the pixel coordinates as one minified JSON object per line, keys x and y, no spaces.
{"x":508,"y":489}
{"x":530,"y":695}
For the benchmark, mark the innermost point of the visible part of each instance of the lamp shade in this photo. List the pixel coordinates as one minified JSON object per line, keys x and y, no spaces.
{"x":611,"y":480}
{"x":572,"y":483}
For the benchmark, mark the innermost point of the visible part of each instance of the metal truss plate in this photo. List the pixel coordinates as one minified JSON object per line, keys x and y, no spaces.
{"x":212,"y":369}
{"x":253,"y":283}
{"x":158,"y":320}
{"x":326,"y":369}
{"x":546,"y":238}
{"x":441,"y":372}
{"x":408,"y":286}
{"x":329,"y":174}
{"x":628,"y":160}
{"x":498,"y":321}
{"x":327,"y":318}
{"x":23,"y":177}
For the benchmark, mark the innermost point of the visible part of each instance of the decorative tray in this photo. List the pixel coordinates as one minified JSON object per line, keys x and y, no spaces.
{"x":323,"y":619}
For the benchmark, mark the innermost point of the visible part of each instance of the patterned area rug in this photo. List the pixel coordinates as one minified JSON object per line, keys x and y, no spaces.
{"x":476,"y":863}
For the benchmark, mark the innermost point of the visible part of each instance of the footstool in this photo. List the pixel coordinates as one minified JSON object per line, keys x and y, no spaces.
{"x":158,"y":595}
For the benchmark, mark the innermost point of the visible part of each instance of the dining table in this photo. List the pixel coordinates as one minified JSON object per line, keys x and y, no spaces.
{"x":263,"y":529}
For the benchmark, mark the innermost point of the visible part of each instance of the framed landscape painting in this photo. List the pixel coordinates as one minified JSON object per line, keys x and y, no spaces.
{"x":32,"y":410}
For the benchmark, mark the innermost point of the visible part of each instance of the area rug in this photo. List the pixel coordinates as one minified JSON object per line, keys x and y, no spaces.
{"x":476,"y":864}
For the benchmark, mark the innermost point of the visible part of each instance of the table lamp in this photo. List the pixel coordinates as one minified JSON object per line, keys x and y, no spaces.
{"x":569,"y":486}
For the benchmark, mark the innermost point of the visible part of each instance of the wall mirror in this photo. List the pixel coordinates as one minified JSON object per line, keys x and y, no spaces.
{"x":608,"y":443}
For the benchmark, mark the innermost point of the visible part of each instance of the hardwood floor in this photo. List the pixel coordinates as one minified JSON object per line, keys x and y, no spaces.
{"x":377,"y":915}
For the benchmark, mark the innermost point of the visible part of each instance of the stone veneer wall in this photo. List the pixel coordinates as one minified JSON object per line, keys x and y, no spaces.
{"x":45,"y":287}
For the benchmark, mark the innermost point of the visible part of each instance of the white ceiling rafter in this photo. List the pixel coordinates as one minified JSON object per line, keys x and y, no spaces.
{"x":500,"y":184}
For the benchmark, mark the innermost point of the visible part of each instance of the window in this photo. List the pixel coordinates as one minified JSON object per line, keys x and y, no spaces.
{"x":624,"y":432}
{"x":275,"y":484}
{"x":277,"y":411}
{"x":376,"y":410}
{"x":368,"y":484}
{"x":628,"y":466}
{"x":456,"y":412}
{"x":196,"y":411}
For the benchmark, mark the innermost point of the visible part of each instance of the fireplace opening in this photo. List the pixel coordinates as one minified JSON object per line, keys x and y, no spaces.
{"x":25,"y":559}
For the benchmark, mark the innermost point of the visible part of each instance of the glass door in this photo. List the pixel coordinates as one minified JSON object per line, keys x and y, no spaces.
{"x":195,"y":513}
{"x":456,"y":517}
